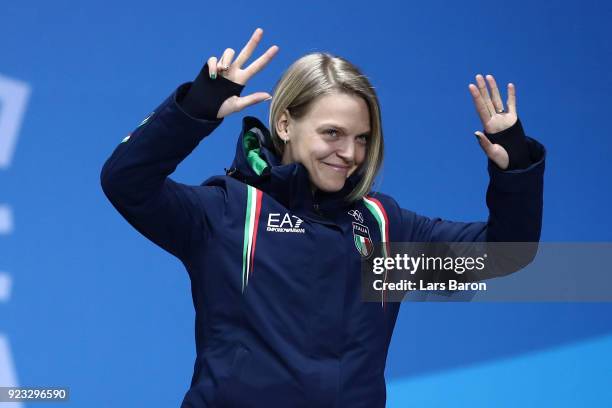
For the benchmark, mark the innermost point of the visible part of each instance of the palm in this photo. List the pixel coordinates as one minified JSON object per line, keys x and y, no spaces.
{"x":493,"y":116}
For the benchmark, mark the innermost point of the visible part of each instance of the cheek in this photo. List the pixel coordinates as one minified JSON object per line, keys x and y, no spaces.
{"x":318,"y":149}
{"x":360,"y":154}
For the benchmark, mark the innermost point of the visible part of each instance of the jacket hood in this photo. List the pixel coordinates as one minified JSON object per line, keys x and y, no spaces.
{"x":257,"y":164}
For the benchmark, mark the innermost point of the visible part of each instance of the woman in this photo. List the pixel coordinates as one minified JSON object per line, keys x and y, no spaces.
{"x":273,"y":248}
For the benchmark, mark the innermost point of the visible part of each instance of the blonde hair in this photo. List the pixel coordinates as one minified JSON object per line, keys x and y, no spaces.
{"x":321,"y":73}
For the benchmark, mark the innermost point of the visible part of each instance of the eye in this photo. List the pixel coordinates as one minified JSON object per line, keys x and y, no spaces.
{"x":332,"y":132}
{"x":362,"y":139}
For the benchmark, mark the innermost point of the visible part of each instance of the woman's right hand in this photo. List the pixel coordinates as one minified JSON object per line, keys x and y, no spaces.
{"x":234,"y":72}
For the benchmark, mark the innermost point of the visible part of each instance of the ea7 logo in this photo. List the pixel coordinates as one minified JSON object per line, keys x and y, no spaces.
{"x":286,"y":223}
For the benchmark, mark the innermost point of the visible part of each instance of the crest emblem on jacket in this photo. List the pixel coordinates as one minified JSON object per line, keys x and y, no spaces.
{"x":363,"y":242}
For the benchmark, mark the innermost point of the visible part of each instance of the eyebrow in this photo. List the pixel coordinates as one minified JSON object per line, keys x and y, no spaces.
{"x":343,"y":129}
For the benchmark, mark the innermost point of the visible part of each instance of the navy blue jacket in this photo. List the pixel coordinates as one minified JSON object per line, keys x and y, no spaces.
{"x":275,"y":270}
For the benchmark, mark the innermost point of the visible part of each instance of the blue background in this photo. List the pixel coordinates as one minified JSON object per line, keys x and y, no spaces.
{"x":96,"y":307}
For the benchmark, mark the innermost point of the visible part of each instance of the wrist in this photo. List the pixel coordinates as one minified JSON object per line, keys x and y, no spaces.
{"x":206,"y":95}
{"x":513,"y":140}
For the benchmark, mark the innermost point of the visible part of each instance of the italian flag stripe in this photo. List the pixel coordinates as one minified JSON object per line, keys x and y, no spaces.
{"x":254,"y":236}
{"x":377,"y":209}
{"x":379,"y":213}
{"x":251,"y":221}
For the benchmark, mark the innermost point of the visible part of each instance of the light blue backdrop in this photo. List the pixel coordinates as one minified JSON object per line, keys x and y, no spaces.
{"x":87,"y":302}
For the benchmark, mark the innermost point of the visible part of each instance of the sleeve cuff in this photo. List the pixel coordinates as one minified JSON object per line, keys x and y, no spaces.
{"x":187,"y":128}
{"x":204,"y":96}
{"x":527,"y":179}
{"x":514,"y":141}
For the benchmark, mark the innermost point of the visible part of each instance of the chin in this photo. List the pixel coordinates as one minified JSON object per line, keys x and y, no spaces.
{"x":330,"y":187}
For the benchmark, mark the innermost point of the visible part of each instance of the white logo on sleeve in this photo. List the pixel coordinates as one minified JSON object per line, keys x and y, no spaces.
{"x":284,"y":223}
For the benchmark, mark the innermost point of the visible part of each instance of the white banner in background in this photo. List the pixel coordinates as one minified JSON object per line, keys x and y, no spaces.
{"x":14,"y":97}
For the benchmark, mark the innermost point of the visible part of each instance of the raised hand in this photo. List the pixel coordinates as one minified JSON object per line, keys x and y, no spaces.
{"x":493,"y":116}
{"x":234,"y":72}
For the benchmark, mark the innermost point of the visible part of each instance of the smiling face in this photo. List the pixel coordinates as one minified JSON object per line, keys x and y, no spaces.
{"x":330,"y":140}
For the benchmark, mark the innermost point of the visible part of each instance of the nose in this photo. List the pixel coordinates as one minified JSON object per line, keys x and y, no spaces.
{"x":346,"y":150}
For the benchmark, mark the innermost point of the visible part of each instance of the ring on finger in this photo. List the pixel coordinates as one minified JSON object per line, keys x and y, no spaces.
{"x":223,"y":66}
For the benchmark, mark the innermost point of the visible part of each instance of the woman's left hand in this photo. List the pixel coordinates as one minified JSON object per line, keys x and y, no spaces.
{"x":493,"y":116}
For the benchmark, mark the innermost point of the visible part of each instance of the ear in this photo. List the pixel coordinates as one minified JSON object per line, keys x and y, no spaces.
{"x":282,"y":124}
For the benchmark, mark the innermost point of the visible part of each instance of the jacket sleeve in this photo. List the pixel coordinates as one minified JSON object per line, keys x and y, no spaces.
{"x":135,"y":178}
{"x":514,"y":199}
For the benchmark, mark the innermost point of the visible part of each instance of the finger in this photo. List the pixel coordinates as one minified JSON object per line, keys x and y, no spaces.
{"x":484,"y":142}
{"x":482,"y":87}
{"x":247,"y":50}
{"x":212,"y":67}
{"x":226,"y":60}
{"x":511,"y":101}
{"x":498,"y":105}
{"x":262,"y":61}
{"x":252,"y":99}
{"x":479,"y":103}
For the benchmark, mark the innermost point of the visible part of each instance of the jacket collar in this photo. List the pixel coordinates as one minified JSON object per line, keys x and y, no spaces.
{"x":257,"y":164}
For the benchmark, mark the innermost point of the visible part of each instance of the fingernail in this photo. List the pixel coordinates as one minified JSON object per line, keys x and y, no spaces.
{"x":267,"y":99}
{"x":213,"y":75}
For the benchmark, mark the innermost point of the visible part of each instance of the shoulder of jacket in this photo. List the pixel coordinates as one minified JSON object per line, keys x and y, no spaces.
{"x":223,"y":181}
{"x":233,"y":190}
{"x":389,"y":205}
{"x":385,"y":200}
